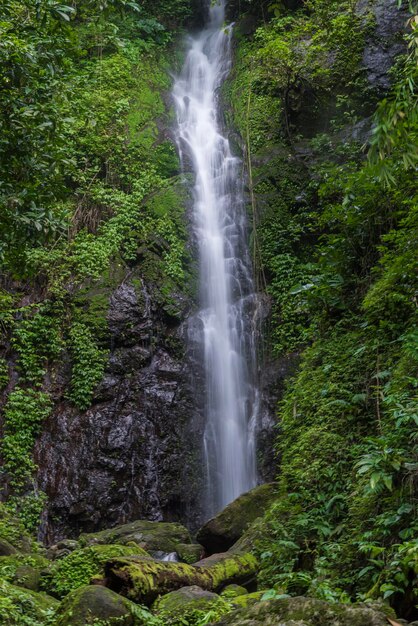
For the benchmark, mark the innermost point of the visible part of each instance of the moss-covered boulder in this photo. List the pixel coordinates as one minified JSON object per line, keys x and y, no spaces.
{"x":23,"y":570}
{"x":189,"y":552}
{"x":233,"y":591}
{"x":92,"y":604}
{"x":248,"y":599}
{"x":302,"y":611}
{"x":143,"y":580}
{"x":79,"y":567}
{"x":186,"y":604}
{"x":223,"y":530}
{"x":18,"y":606}
{"x":152,"y":536}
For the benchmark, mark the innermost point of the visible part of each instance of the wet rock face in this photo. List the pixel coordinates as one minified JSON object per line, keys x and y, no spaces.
{"x":385,"y":42}
{"x":135,"y":453}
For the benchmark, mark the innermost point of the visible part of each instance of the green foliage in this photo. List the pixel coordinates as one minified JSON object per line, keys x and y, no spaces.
{"x":335,"y":247}
{"x":20,"y":607}
{"x":395,"y":133}
{"x":88,"y":362}
{"x":37,"y":339}
{"x":24,"y":413}
{"x":79,"y":567}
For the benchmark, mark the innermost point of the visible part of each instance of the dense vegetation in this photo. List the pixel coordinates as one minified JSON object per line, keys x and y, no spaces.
{"x":335,"y":242}
{"x":90,"y":185}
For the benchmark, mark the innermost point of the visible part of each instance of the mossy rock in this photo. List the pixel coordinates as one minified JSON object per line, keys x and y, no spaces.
{"x":223,"y":530}
{"x":189,"y":553}
{"x":17,"y":604}
{"x":233,"y":591}
{"x":6,"y":548}
{"x":62,"y":548}
{"x":185,"y":602}
{"x":246,"y":600}
{"x":303,"y":612}
{"x":23,"y":570}
{"x":90,"y":604}
{"x":13,"y":536}
{"x":79,"y":567}
{"x":152,"y":536}
{"x":143,"y":580}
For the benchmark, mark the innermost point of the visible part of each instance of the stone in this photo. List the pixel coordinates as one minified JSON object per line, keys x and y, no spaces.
{"x":385,"y":42}
{"x":142,"y":430}
{"x":246,"y":600}
{"x":233,"y":591}
{"x":79,"y":567}
{"x":36,"y":607}
{"x":6,"y":548}
{"x":151,"y":536}
{"x":301,"y":611}
{"x":28,"y":577}
{"x":142,"y":580}
{"x":223,"y":530}
{"x":189,"y":553}
{"x":62,"y":549}
{"x":186,"y":600}
{"x":90,"y":603}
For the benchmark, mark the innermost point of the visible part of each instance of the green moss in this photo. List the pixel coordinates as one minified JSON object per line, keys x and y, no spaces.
{"x":98,"y":605}
{"x":153,"y":536}
{"x":23,"y":570}
{"x":79,"y":567}
{"x":144,"y":580}
{"x":21,"y":606}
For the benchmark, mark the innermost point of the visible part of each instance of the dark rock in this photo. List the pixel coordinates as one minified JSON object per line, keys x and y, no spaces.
{"x":223,"y":530}
{"x":132,"y":453}
{"x":92,"y":603}
{"x":385,"y":42}
{"x":302,"y":611}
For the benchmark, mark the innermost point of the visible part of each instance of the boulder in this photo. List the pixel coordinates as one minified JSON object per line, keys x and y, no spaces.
{"x":152,"y":536}
{"x":223,"y":530}
{"x":184,"y":603}
{"x":233,"y":591}
{"x":142,"y":579}
{"x":301,"y":611}
{"x":80,"y":566}
{"x":18,"y":604}
{"x":6,"y":548}
{"x":189,"y":553}
{"x":28,"y":577}
{"x":23,"y":570}
{"x":88,"y":604}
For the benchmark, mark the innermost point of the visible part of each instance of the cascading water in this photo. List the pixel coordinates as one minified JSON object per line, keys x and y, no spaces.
{"x":227,"y":295}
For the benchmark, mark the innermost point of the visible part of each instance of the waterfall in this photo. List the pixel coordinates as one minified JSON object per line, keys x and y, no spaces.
{"x":226,"y":286}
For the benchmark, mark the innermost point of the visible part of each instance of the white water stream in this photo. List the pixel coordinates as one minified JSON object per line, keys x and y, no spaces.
{"x":227,"y":295}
